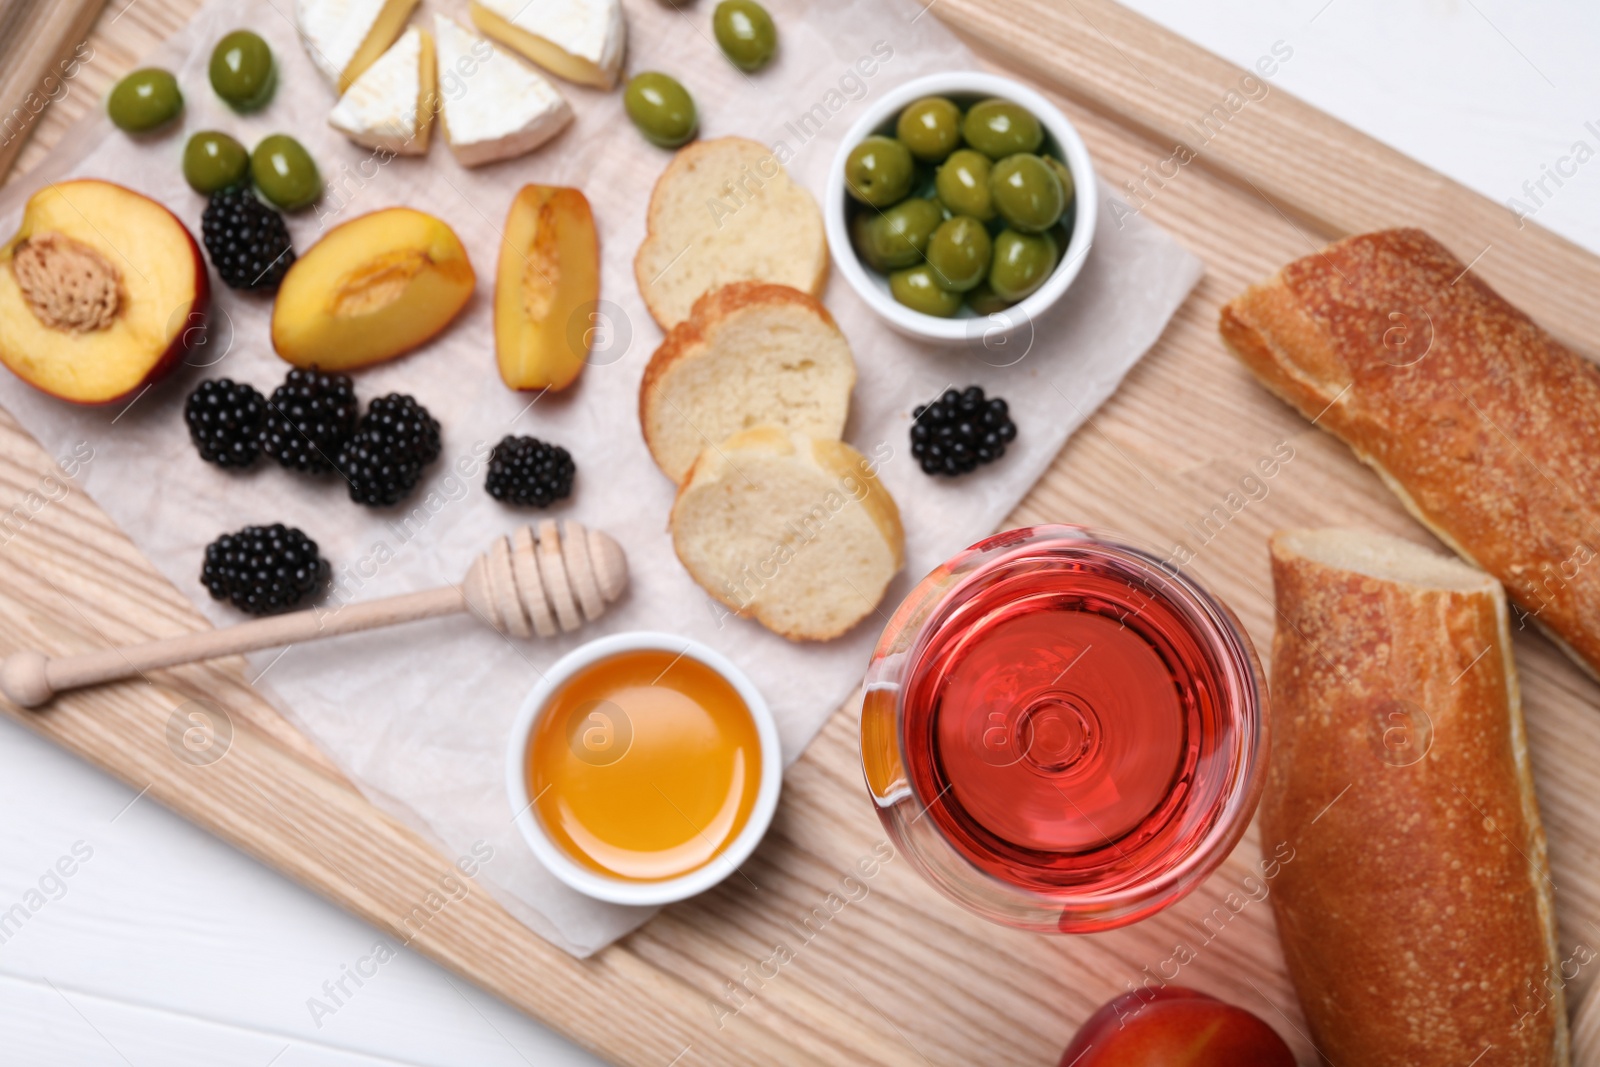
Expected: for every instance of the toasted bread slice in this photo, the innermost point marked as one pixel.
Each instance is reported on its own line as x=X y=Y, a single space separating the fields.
x=725 y=211
x=750 y=354
x=793 y=530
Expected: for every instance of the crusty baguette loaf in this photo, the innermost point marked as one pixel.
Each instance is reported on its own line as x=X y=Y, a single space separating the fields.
x=750 y=354
x=725 y=211
x=795 y=531
x=1486 y=427
x=1415 y=914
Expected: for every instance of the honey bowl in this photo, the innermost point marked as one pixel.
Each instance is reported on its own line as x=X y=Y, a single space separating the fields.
x=643 y=768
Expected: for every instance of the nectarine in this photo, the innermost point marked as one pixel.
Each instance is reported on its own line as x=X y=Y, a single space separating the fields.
x=101 y=291
x=371 y=289
x=549 y=270
x=1171 y=1026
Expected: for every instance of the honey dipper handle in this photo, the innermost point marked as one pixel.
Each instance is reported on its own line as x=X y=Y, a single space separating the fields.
x=28 y=679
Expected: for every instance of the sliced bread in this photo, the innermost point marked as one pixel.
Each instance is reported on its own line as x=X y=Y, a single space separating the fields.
x=725 y=211
x=793 y=530
x=750 y=354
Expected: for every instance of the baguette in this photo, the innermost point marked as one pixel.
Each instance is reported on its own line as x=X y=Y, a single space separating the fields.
x=1485 y=426
x=1416 y=914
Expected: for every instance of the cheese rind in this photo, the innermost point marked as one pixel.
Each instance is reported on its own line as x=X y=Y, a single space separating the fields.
x=493 y=106
x=391 y=105
x=580 y=40
x=345 y=37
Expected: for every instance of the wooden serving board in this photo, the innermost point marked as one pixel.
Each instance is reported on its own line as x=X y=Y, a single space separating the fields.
x=880 y=969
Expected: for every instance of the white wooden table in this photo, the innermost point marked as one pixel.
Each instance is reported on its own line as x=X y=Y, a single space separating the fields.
x=167 y=947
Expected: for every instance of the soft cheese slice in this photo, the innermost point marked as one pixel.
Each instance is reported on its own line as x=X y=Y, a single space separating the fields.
x=579 y=40
x=391 y=105
x=493 y=105
x=345 y=37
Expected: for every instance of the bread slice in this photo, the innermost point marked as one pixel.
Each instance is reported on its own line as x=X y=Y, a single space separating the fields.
x=725 y=211
x=750 y=354
x=793 y=530
x=1399 y=823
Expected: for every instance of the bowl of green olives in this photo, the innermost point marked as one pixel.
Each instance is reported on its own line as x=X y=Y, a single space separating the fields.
x=961 y=206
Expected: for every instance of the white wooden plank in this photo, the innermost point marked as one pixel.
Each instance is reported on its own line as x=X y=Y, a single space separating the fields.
x=52 y=1026
x=165 y=919
x=1493 y=93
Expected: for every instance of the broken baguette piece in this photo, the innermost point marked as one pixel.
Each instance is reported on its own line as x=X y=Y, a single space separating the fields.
x=1416 y=910
x=1485 y=426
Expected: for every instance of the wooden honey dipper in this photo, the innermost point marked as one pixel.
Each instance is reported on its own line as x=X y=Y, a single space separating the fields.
x=526 y=584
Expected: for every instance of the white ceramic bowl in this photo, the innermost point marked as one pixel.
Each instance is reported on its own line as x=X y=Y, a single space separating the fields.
x=620 y=890
x=1061 y=140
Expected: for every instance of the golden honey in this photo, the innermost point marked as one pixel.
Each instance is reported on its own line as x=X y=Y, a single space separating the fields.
x=645 y=765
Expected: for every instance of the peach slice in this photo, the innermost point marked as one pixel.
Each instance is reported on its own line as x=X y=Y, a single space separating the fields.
x=371 y=289
x=545 y=288
x=101 y=291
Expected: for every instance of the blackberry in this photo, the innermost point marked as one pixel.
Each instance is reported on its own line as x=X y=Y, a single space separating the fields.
x=960 y=430
x=383 y=460
x=224 y=420
x=528 y=472
x=247 y=240
x=309 y=416
x=264 y=569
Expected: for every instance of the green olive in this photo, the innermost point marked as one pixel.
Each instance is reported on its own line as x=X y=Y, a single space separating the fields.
x=241 y=70
x=985 y=301
x=998 y=128
x=963 y=184
x=1064 y=176
x=1026 y=192
x=930 y=128
x=1022 y=261
x=879 y=171
x=661 y=108
x=745 y=34
x=959 y=253
x=144 y=100
x=285 y=172
x=898 y=235
x=916 y=288
x=213 y=161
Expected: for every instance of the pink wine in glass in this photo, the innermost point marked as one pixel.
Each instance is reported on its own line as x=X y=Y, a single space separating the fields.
x=1062 y=731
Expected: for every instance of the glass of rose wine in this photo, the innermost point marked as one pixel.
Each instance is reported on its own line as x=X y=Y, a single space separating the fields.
x=1063 y=731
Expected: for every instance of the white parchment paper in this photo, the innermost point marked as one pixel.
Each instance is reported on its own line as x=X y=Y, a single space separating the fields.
x=419 y=716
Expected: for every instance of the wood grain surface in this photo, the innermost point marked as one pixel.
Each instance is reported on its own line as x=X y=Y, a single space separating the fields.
x=882 y=970
x=42 y=45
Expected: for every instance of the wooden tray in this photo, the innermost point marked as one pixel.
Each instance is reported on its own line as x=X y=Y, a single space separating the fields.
x=882 y=970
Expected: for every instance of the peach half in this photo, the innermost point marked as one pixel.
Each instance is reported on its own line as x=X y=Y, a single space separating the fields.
x=373 y=288
x=101 y=291
x=546 y=288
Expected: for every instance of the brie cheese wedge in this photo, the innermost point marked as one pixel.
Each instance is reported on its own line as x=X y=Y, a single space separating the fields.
x=579 y=40
x=391 y=105
x=493 y=105
x=345 y=37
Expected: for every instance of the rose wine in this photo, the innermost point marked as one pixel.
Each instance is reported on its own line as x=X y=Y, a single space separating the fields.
x=1070 y=721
